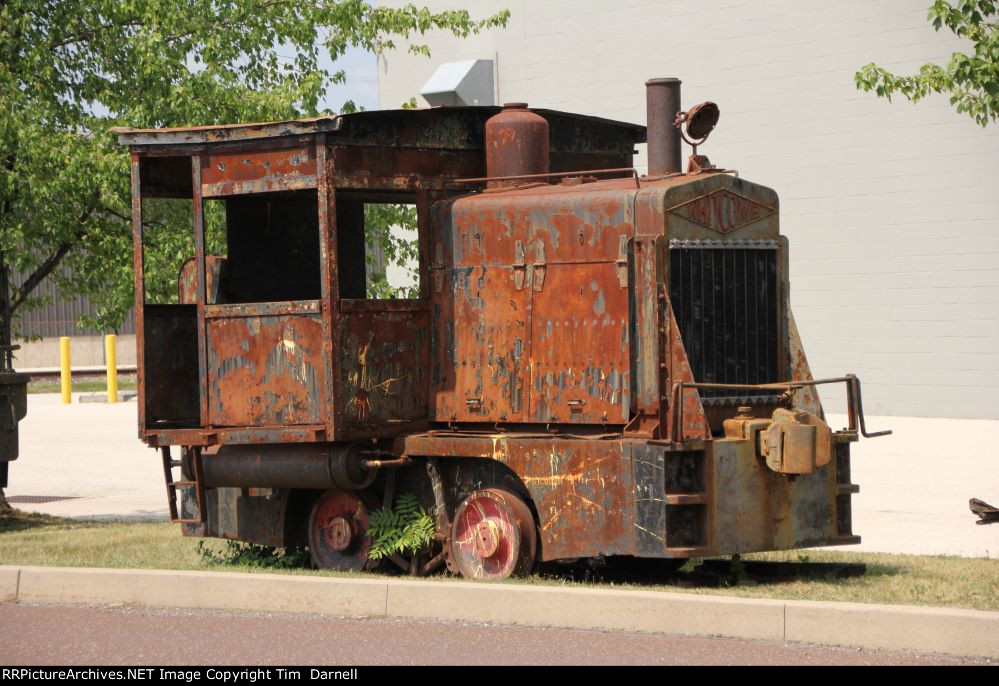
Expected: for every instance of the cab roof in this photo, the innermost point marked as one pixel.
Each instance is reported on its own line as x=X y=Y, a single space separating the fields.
x=455 y=127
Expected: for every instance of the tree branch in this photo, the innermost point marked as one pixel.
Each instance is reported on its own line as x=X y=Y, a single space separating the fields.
x=44 y=269
x=48 y=266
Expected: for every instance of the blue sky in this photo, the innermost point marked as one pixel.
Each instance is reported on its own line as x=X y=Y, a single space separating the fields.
x=361 y=68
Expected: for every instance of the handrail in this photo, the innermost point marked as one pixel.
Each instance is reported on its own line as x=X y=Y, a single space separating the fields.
x=547 y=175
x=854 y=400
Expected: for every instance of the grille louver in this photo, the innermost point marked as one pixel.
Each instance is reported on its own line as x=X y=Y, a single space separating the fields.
x=726 y=301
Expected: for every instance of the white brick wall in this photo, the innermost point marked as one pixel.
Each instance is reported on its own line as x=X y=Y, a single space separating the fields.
x=892 y=210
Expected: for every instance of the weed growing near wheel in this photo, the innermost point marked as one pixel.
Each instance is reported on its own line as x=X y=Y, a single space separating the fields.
x=239 y=554
x=405 y=529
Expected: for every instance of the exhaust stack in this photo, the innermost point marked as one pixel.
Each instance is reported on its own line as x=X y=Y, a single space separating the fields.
x=663 y=103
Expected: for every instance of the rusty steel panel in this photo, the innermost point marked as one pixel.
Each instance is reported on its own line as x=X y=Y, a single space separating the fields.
x=580 y=347
x=587 y=226
x=716 y=206
x=517 y=263
x=187 y=282
x=484 y=310
x=647 y=288
x=584 y=498
x=392 y=168
x=258 y=171
x=254 y=515
x=490 y=347
x=265 y=370
x=384 y=364
x=694 y=422
x=170 y=372
x=583 y=491
x=463 y=128
x=224 y=133
x=242 y=435
x=804 y=399
x=754 y=508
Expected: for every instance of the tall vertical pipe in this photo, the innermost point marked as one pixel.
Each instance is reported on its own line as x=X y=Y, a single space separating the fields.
x=662 y=98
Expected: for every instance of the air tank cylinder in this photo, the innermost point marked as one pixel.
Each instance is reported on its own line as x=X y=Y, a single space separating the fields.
x=516 y=144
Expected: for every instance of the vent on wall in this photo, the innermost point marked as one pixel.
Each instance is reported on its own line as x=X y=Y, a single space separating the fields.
x=461 y=83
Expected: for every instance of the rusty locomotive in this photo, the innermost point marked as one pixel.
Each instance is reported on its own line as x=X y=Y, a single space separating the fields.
x=597 y=364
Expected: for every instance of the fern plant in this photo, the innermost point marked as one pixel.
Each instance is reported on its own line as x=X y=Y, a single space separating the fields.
x=406 y=528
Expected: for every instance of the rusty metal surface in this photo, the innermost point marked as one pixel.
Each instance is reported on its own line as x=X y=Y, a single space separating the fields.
x=244 y=515
x=224 y=132
x=168 y=373
x=258 y=171
x=543 y=360
x=797 y=442
x=522 y=274
x=383 y=361
x=683 y=414
x=187 y=282
x=663 y=105
x=388 y=168
x=311 y=466
x=157 y=436
x=338 y=528
x=807 y=399
x=516 y=143
x=588 y=381
x=581 y=490
x=786 y=513
x=493 y=536
x=266 y=370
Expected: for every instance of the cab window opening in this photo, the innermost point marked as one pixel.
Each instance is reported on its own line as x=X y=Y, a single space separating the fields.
x=377 y=246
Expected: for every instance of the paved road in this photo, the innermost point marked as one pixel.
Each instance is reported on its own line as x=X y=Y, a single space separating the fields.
x=915 y=485
x=56 y=635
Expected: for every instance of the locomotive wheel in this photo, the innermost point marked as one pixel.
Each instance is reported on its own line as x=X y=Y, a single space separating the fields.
x=493 y=536
x=338 y=528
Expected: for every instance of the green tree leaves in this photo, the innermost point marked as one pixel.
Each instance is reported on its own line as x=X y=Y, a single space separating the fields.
x=72 y=69
x=971 y=80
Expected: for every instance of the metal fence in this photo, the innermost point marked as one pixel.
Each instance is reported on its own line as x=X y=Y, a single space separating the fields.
x=60 y=314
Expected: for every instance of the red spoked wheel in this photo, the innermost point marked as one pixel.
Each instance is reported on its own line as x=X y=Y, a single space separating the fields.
x=493 y=536
x=338 y=528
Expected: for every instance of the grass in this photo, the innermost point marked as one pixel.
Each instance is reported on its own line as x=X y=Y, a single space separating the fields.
x=84 y=385
x=29 y=539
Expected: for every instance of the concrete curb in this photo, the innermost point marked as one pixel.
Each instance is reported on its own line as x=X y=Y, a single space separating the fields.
x=970 y=633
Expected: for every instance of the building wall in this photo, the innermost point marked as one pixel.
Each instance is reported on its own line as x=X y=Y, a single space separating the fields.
x=891 y=209
x=37 y=330
x=59 y=315
x=84 y=352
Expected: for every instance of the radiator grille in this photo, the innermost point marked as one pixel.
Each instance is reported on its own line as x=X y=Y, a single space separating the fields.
x=725 y=298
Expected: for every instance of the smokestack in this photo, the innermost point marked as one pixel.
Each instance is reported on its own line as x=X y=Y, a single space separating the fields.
x=663 y=103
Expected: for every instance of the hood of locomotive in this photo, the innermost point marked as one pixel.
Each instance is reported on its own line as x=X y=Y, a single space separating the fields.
x=724 y=268
x=566 y=289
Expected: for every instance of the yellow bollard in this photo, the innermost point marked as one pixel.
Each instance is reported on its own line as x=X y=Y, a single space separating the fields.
x=112 y=364
x=65 y=376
